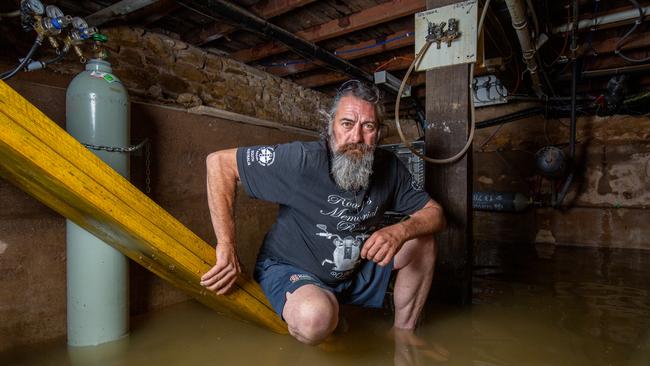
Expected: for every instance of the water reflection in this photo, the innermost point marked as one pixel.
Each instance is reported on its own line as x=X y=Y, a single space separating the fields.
x=565 y=306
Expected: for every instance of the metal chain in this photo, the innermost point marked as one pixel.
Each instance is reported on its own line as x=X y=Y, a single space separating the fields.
x=130 y=149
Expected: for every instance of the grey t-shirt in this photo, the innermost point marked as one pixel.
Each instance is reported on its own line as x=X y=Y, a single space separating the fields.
x=320 y=227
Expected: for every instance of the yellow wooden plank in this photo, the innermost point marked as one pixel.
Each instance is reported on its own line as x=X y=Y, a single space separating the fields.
x=51 y=134
x=32 y=119
x=45 y=161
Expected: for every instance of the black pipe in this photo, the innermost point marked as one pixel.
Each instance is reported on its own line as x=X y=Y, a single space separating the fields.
x=256 y=24
x=8 y=74
x=419 y=112
x=510 y=117
x=308 y=50
x=557 y=199
x=572 y=139
x=572 y=127
x=574 y=80
x=39 y=65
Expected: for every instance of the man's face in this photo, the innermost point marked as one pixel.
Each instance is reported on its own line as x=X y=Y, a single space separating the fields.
x=354 y=123
x=353 y=135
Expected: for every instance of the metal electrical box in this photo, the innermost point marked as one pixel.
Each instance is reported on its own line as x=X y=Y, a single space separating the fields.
x=454 y=28
x=413 y=162
x=415 y=166
x=488 y=90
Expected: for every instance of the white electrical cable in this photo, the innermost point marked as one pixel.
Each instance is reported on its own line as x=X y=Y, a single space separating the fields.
x=470 y=138
x=12 y=14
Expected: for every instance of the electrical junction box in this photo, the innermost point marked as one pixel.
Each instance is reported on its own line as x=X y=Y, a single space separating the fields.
x=452 y=47
x=383 y=77
x=415 y=166
x=413 y=162
x=488 y=90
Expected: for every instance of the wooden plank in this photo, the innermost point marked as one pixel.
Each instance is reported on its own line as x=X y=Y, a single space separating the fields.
x=220 y=113
x=362 y=19
x=447 y=110
x=273 y=8
x=264 y=9
x=117 y=10
x=608 y=45
x=43 y=160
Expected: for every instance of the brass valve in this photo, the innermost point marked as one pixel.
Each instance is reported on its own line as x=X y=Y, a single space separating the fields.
x=437 y=34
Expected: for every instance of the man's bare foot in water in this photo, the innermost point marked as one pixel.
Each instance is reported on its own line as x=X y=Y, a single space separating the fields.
x=413 y=350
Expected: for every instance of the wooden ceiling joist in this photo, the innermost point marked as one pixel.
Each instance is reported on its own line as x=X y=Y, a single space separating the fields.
x=609 y=45
x=332 y=77
x=117 y=10
x=335 y=28
x=265 y=9
x=398 y=64
x=351 y=52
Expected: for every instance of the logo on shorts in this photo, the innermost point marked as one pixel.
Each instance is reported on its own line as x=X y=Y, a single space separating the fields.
x=265 y=156
x=300 y=277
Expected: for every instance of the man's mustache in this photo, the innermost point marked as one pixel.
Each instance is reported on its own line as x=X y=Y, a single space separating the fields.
x=356 y=147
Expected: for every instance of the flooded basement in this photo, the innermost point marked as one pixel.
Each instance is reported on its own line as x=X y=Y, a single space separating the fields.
x=533 y=305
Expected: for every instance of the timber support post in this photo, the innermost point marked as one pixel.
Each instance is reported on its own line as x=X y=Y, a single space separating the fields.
x=448 y=123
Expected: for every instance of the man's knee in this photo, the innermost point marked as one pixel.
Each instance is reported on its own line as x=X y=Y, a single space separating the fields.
x=311 y=314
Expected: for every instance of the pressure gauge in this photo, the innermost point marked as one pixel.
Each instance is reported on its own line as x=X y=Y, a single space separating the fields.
x=53 y=11
x=32 y=6
x=79 y=23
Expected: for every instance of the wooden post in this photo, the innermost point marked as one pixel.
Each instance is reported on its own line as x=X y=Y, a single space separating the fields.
x=447 y=113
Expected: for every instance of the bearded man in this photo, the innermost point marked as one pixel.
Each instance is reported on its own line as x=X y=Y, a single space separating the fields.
x=327 y=246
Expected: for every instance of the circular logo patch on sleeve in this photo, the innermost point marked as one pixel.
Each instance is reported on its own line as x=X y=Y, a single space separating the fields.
x=265 y=156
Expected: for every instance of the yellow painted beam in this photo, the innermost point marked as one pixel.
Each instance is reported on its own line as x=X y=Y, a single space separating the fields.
x=45 y=161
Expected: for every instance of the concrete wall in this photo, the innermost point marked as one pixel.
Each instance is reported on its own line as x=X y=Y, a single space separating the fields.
x=609 y=198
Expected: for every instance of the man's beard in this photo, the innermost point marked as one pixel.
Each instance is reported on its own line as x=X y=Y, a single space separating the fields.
x=352 y=165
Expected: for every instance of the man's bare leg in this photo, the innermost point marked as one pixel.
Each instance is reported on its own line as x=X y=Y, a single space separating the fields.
x=415 y=264
x=311 y=314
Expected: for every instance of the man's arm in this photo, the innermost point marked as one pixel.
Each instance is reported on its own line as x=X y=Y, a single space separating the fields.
x=384 y=243
x=222 y=177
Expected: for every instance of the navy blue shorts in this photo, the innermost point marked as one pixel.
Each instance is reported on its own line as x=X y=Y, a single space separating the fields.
x=367 y=287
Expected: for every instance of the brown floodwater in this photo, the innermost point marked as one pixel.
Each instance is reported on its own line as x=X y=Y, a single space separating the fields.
x=533 y=305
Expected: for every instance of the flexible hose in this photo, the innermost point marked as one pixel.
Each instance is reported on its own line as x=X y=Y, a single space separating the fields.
x=12 y=14
x=416 y=62
x=39 y=65
x=56 y=59
x=9 y=74
x=617 y=49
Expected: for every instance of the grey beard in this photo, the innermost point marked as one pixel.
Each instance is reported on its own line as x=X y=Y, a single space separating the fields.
x=351 y=173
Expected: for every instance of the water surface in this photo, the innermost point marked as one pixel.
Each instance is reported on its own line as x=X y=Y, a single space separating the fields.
x=533 y=305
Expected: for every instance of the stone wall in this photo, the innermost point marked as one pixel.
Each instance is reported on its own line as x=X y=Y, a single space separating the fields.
x=161 y=69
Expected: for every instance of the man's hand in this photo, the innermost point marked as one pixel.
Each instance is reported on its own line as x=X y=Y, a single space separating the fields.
x=222 y=276
x=383 y=244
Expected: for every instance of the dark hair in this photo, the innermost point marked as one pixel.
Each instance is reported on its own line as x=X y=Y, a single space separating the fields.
x=359 y=89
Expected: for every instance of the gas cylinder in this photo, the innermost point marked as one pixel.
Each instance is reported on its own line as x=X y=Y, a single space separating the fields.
x=97 y=114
